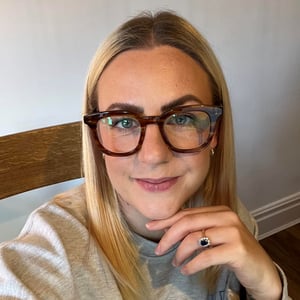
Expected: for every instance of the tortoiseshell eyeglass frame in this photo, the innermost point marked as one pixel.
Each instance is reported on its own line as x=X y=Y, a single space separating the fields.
x=214 y=113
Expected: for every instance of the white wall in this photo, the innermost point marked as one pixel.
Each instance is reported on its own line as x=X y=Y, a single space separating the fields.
x=46 y=46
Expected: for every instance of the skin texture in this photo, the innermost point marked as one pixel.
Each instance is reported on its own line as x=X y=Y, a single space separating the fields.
x=154 y=184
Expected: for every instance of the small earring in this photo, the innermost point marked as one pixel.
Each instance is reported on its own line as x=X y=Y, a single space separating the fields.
x=212 y=152
x=103 y=156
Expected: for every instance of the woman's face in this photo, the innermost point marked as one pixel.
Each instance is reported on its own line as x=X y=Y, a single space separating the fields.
x=155 y=182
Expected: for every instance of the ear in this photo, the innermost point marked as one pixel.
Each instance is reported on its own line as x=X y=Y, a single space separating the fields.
x=214 y=142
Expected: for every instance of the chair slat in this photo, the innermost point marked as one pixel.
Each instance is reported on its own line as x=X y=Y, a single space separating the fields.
x=40 y=157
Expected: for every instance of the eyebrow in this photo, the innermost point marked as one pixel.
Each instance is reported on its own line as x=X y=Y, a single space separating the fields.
x=126 y=106
x=180 y=101
x=139 y=109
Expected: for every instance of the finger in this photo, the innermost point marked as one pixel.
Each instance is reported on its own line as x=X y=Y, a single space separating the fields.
x=188 y=248
x=191 y=243
x=195 y=222
x=210 y=257
x=231 y=246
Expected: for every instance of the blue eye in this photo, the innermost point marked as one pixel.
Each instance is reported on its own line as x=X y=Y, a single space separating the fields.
x=121 y=122
x=182 y=120
x=125 y=123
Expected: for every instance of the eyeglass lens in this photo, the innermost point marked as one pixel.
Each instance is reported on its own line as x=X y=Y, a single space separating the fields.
x=183 y=130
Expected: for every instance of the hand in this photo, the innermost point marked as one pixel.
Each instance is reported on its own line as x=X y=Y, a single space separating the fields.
x=231 y=245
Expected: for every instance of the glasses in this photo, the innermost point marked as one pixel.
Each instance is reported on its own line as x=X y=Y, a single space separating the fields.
x=185 y=129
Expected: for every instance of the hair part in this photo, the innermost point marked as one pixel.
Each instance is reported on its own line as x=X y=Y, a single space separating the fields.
x=146 y=31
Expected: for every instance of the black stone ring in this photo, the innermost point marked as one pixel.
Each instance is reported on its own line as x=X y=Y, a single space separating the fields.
x=204 y=242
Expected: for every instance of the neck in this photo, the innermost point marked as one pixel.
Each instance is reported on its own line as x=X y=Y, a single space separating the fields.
x=137 y=222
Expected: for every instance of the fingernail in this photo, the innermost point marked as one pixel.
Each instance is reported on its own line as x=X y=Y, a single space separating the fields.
x=183 y=271
x=150 y=226
x=174 y=263
x=158 y=250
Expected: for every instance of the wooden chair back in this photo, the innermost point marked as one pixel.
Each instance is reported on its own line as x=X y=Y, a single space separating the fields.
x=40 y=157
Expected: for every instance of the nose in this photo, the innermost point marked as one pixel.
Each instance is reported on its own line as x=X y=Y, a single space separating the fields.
x=154 y=150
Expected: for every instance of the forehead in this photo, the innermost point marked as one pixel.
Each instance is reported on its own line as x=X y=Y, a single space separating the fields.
x=151 y=78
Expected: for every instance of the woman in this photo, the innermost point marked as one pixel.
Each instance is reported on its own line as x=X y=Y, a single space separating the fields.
x=158 y=216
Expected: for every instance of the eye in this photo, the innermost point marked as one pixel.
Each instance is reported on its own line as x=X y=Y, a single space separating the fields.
x=125 y=123
x=181 y=119
x=122 y=122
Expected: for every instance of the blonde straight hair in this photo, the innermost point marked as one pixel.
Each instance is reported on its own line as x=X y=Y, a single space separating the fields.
x=107 y=226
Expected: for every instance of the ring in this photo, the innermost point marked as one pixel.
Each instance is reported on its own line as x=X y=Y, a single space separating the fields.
x=204 y=242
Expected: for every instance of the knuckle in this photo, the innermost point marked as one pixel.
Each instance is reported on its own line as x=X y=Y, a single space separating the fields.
x=192 y=237
x=188 y=220
x=232 y=217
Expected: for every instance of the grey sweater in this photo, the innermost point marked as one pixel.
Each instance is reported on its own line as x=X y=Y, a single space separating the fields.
x=54 y=257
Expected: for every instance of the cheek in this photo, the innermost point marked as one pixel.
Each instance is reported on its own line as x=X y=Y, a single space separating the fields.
x=116 y=170
x=199 y=166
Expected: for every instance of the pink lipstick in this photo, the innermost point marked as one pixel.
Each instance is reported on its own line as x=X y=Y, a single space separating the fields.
x=156 y=185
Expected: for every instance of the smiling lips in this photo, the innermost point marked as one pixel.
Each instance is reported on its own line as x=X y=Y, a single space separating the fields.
x=156 y=185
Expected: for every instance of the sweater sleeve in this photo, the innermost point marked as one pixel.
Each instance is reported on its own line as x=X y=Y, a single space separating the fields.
x=55 y=257
x=252 y=226
x=35 y=265
x=42 y=262
x=285 y=295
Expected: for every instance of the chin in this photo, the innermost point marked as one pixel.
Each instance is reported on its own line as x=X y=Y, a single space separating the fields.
x=160 y=214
